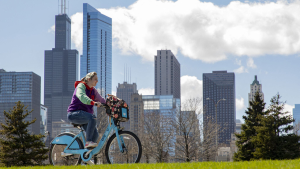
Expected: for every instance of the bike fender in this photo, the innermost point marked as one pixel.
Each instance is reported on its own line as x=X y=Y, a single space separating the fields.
x=65 y=139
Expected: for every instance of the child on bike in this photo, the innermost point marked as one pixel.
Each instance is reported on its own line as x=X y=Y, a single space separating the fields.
x=80 y=111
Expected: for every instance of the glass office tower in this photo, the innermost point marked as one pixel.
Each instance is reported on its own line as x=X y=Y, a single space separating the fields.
x=296 y=116
x=24 y=87
x=220 y=85
x=97 y=48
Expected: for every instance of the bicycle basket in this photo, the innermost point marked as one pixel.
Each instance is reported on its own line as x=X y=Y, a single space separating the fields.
x=118 y=109
x=123 y=114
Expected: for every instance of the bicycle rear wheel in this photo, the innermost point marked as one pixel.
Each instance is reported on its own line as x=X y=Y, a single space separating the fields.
x=132 y=153
x=56 y=157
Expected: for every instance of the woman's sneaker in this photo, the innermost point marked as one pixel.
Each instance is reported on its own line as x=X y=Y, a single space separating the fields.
x=90 y=144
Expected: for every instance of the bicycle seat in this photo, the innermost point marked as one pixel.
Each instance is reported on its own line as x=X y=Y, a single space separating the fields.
x=77 y=125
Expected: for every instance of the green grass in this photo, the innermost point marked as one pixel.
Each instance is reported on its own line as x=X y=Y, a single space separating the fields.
x=284 y=164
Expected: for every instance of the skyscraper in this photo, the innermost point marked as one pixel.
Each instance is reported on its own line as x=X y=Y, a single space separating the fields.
x=167 y=74
x=61 y=72
x=296 y=116
x=97 y=48
x=124 y=91
x=24 y=87
x=216 y=86
x=255 y=87
x=136 y=113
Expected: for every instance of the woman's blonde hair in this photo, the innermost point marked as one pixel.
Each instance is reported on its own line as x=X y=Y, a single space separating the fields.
x=88 y=76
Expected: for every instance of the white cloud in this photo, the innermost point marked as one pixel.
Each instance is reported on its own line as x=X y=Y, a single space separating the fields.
x=241 y=69
x=240 y=105
x=202 y=30
x=250 y=63
x=146 y=91
x=77 y=30
x=289 y=108
x=52 y=29
x=114 y=93
x=238 y=62
x=191 y=87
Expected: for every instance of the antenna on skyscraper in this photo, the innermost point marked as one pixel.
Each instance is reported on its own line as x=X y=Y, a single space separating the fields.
x=130 y=76
x=124 y=72
x=65 y=7
x=61 y=6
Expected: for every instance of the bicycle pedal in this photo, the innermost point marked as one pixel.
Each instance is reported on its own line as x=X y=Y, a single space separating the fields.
x=63 y=154
x=90 y=148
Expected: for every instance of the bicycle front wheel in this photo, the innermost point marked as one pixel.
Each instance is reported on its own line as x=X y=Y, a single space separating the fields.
x=132 y=149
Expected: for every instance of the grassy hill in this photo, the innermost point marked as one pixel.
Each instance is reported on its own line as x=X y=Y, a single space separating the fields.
x=284 y=164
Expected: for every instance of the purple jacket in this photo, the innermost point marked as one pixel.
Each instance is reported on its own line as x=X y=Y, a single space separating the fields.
x=84 y=98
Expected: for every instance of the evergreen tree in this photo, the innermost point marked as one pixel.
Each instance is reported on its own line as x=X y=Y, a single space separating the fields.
x=18 y=147
x=252 y=120
x=272 y=140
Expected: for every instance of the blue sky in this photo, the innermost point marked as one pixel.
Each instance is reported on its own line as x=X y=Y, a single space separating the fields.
x=246 y=37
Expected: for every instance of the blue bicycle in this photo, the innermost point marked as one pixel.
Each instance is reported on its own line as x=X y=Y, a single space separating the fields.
x=122 y=146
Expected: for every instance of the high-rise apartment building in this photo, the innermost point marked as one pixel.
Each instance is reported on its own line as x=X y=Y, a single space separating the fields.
x=136 y=113
x=167 y=74
x=296 y=116
x=255 y=87
x=61 y=72
x=24 y=87
x=97 y=48
x=217 y=86
x=124 y=91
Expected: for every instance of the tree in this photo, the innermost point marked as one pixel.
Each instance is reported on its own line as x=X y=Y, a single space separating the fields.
x=244 y=140
x=102 y=123
x=19 y=148
x=160 y=133
x=272 y=140
x=209 y=147
x=187 y=131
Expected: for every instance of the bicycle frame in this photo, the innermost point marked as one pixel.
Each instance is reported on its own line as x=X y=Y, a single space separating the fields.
x=66 y=140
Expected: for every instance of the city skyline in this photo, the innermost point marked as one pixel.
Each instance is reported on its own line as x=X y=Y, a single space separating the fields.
x=269 y=66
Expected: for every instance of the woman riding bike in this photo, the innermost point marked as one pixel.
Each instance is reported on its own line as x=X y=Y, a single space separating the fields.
x=81 y=111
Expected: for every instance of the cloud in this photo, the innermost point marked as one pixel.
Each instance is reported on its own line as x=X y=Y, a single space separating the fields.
x=250 y=63
x=238 y=62
x=52 y=29
x=202 y=30
x=241 y=69
x=191 y=87
x=289 y=108
x=146 y=91
x=114 y=93
x=77 y=30
x=239 y=103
